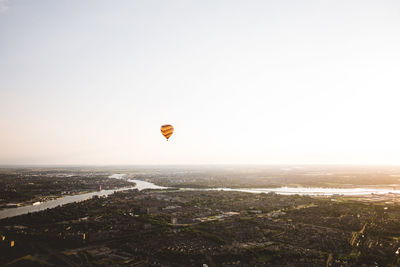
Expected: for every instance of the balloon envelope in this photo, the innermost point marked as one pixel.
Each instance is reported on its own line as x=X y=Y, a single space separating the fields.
x=167 y=130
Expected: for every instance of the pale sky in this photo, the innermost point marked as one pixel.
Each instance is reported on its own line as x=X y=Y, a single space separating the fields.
x=262 y=82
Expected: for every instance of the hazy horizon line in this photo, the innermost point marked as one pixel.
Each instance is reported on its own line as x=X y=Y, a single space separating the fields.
x=201 y=164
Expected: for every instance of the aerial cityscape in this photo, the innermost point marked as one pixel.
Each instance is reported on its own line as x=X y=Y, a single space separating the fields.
x=183 y=216
x=200 y=133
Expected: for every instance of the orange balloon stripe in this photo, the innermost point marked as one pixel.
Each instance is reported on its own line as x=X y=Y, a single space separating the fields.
x=167 y=128
x=168 y=131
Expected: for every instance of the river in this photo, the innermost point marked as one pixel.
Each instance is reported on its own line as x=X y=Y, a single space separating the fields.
x=312 y=191
x=141 y=185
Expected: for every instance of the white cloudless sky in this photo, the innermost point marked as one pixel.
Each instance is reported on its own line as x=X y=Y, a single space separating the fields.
x=263 y=82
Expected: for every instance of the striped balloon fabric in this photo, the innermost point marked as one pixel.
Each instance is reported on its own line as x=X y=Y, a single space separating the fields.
x=167 y=130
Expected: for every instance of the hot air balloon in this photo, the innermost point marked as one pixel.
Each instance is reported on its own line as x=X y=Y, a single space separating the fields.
x=167 y=130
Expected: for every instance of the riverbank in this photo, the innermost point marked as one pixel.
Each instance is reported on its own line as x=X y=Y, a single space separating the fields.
x=27 y=188
x=368 y=194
